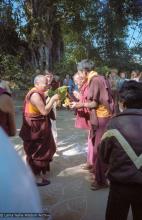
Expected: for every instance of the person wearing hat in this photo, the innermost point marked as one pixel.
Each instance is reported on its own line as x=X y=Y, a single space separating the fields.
x=100 y=105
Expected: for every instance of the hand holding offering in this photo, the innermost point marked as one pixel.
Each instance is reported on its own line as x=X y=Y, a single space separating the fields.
x=66 y=102
x=76 y=94
x=73 y=105
x=56 y=97
x=76 y=105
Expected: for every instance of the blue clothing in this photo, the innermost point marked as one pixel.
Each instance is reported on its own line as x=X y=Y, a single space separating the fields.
x=69 y=83
x=75 y=88
x=120 y=83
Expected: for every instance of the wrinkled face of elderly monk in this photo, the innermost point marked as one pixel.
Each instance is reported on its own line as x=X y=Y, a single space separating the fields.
x=42 y=83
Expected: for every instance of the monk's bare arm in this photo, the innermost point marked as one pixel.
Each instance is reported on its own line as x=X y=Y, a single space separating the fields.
x=7 y=106
x=90 y=105
x=38 y=102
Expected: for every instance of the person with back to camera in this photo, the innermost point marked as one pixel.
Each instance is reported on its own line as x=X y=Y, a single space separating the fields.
x=7 y=113
x=5 y=85
x=121 y=149
x=135 y=75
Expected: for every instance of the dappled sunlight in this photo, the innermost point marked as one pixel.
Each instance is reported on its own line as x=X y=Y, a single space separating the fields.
x=69 y=138
x=65 y=148
x=71 y=149
x=67 y=195
x=71 y=171
x=18 y=147
x=56 y=155
x=76 y=150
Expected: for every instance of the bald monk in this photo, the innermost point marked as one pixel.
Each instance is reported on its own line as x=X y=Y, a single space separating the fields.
x=36 y=130
x=7 y=113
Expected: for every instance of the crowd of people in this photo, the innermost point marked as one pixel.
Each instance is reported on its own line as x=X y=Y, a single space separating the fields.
x=110 y=108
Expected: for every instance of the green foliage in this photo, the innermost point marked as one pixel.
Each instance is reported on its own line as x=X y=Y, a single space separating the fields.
x=71 y=30
x=104 y=70
x=11 y=70
x=51 y=92
x=65 y=67
x=61 y=91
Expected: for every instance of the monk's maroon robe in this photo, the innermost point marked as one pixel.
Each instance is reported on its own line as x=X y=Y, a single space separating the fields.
x=38 y=140
x=100 y=92
x=82 y=118
x=4 y=117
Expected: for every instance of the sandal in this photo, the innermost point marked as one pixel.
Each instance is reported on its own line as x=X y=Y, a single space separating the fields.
x=44 y=182
x=92 y=178
x=96 y=186
x=92 y=170
x=87 y=167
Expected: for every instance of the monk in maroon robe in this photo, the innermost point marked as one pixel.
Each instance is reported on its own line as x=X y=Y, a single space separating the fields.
x=101 y=107
x=36 y=130
x=83 y=115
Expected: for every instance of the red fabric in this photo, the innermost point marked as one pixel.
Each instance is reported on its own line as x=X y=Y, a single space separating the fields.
x=38 y=141
x=27 y=103
x=99 y=91
x=100 y=167
x=55 y=84
x=4 y=122
x=82 y=117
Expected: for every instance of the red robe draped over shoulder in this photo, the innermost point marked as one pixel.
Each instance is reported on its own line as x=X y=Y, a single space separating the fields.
x=37 y=136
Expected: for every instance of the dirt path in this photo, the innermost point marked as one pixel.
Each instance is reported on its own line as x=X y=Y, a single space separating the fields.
x=69 y=197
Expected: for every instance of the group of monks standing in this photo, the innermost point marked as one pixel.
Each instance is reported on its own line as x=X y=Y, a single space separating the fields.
x=94 y=104
x=96 y=107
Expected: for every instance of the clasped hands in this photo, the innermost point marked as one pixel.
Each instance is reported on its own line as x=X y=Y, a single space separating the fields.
x=54 y=98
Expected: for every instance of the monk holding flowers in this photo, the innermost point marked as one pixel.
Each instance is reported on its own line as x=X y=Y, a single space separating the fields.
x=36 y=130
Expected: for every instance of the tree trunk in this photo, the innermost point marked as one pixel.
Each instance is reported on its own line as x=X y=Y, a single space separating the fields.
x=47 y=41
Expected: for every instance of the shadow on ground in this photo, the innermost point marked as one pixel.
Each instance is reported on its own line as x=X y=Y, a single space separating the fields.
x=68 y=197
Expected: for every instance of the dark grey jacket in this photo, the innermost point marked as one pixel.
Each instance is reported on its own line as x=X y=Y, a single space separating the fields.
x=122 y=168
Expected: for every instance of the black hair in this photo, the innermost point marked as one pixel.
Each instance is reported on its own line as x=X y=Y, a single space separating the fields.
x=131 y=94
x=136 y=71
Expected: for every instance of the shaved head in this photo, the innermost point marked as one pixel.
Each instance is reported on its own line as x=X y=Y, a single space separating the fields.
x=39 y=79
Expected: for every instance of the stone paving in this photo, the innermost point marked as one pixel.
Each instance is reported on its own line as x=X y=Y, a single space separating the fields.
x=69 y=197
